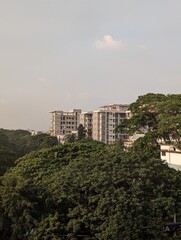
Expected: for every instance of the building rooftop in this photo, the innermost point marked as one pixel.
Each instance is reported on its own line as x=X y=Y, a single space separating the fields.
x=115 y=105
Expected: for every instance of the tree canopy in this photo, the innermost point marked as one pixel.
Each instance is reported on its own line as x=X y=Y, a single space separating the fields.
x=16 y=143
x=88 y=190
x=158 y=116
x=81 y=132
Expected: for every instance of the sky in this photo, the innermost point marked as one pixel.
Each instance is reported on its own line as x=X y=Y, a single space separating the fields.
x=64 y=54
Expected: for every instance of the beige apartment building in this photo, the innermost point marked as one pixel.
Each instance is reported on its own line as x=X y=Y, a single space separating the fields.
x=64 y=123
x=99 y=125
x=86 y=121
x=106 y=120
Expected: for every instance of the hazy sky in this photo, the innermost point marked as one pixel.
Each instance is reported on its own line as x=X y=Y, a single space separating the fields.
x=63 y=54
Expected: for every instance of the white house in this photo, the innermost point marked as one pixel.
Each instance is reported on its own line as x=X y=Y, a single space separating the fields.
x=172 y=155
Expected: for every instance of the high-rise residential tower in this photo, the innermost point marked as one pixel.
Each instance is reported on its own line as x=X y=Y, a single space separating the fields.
x=106 y=120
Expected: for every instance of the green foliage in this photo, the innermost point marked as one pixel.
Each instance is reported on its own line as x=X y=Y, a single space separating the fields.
x=158 y=116
x=81 y=132
x=145 y=111
x=147 y=146
x=7 y=158
x=3 y=139
x=48 y=228
x=15 y=140
x=40 y=141
x=16 y=143
x=88 y=189
x=70 y=138
x=170 y=118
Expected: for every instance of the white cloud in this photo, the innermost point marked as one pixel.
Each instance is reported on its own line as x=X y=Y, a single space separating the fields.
x=109 y=42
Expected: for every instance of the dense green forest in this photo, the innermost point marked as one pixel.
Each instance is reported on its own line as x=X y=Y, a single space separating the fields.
x=16 y=143
x=88 y=189
x=85 y=189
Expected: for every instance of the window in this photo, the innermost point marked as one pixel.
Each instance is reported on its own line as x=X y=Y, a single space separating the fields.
x=163 y=153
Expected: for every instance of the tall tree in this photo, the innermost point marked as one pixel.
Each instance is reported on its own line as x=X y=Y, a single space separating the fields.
x=158 y=115
x=81 y=132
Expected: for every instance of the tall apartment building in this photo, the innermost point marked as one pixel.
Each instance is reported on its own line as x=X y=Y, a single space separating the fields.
x=99 y=125
x=106 y=120
x=86 y=121
x=64 y=123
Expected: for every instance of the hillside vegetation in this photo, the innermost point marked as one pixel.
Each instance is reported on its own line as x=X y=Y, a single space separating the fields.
x=16 y=143
x=87 y=190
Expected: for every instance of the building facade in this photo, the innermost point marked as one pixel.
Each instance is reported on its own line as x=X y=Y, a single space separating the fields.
x=64 y=123
x=106 y=120
x=172 y=155
x=86 y=121
x=99 y=125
